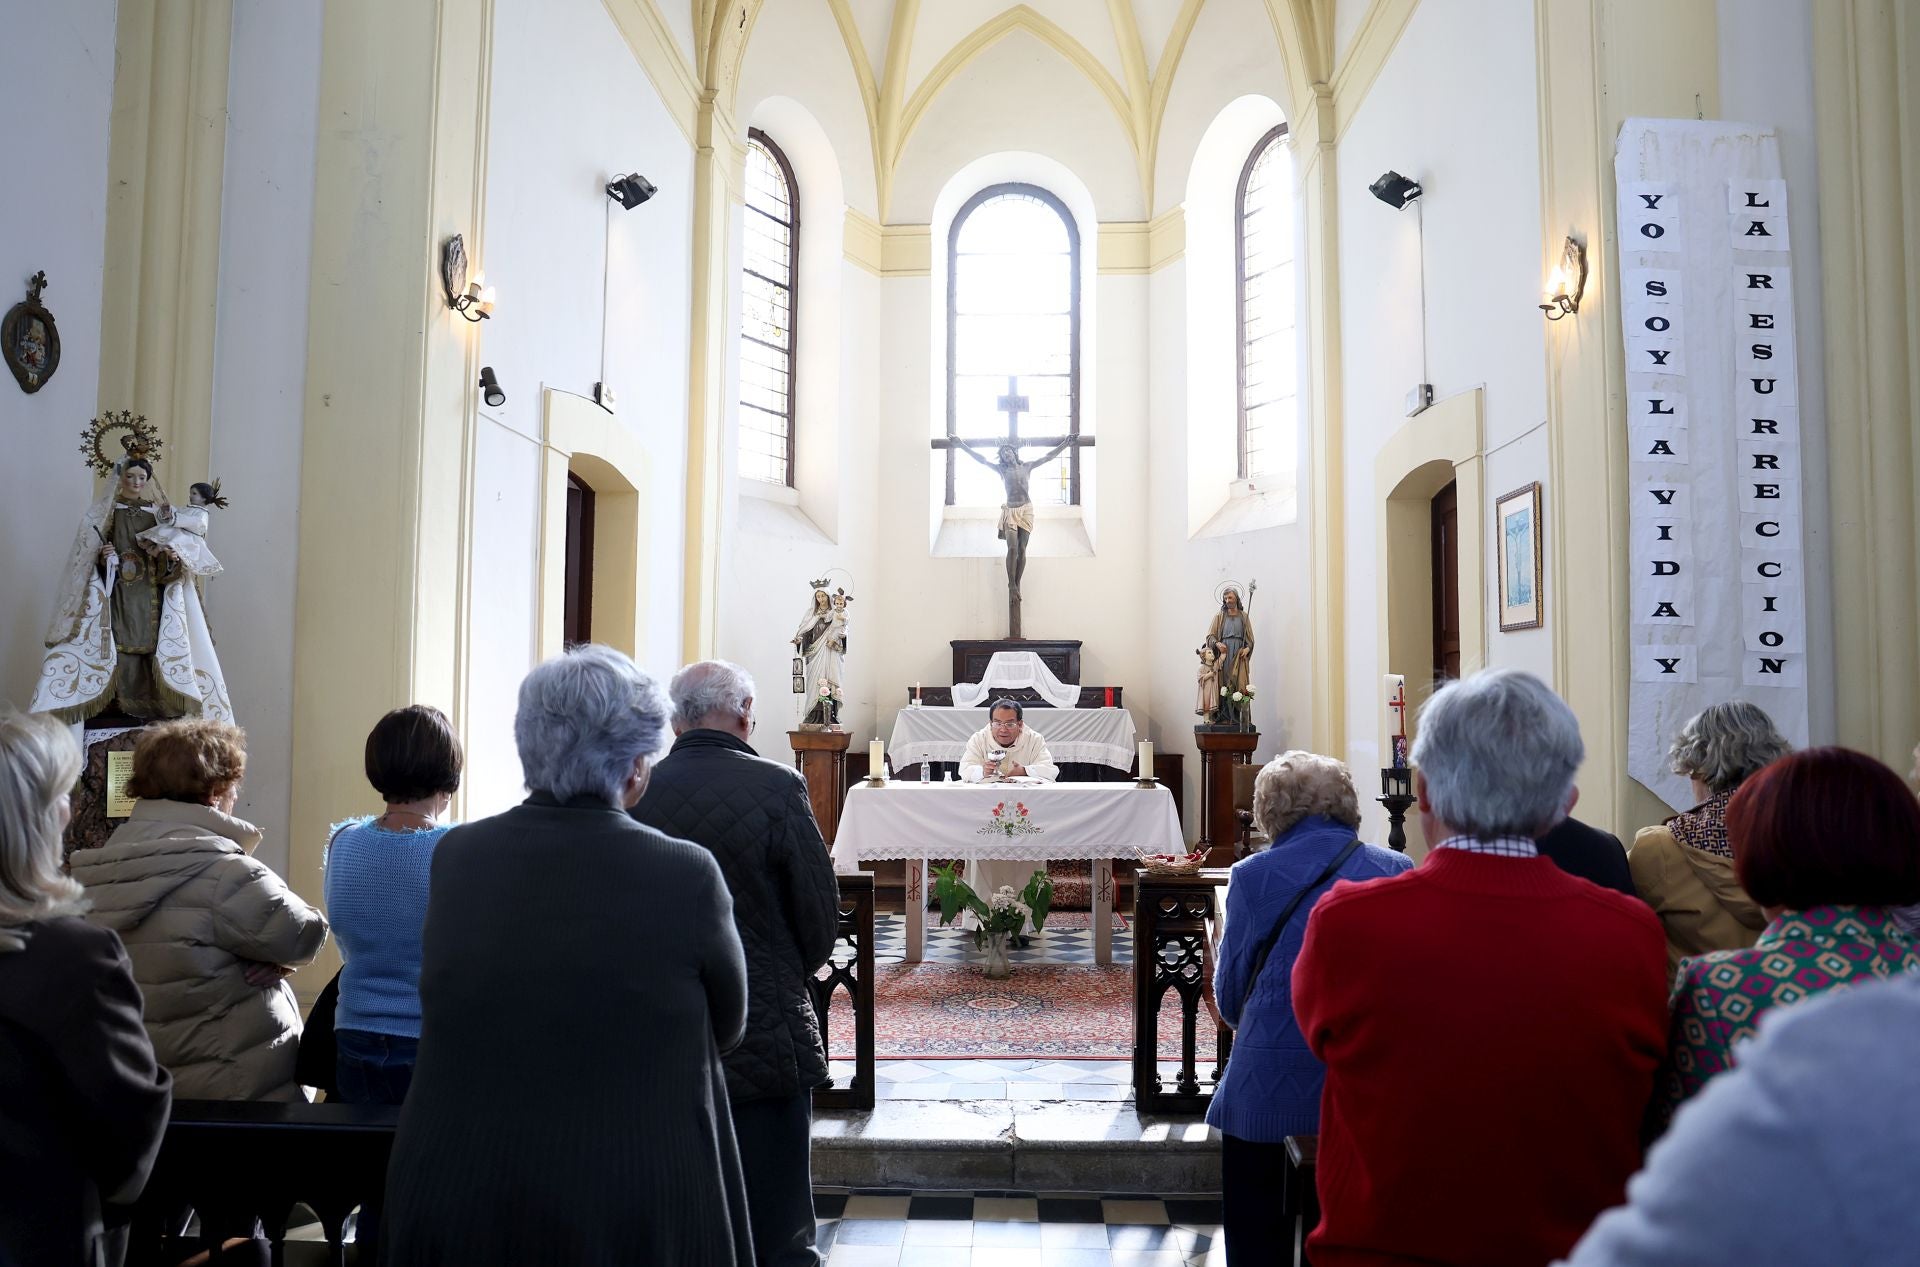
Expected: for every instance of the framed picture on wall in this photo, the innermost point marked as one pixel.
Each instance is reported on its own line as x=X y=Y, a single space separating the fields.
x=1516 y=520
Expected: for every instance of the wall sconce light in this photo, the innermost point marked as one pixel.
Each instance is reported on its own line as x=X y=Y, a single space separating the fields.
x=1567 y=282
x=1395 y=190
x=490 y=389
x=471 y=299
x=631 y=190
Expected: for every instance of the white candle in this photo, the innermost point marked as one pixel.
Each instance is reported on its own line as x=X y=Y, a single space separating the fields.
x=1146 y=759
x=877 y=760
x=1394 y=720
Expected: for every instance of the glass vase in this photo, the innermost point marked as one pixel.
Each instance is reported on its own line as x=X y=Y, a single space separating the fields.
x=999 y=967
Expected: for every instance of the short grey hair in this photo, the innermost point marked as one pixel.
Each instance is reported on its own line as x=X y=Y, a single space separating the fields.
x=39 y=763
x=708 y=687
x=1724 y=743
x=1498 y=752
x=1296 y=784
x=584 y=718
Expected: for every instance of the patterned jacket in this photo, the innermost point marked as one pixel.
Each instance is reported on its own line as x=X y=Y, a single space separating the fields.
x=1719 y=998
x=752 y=815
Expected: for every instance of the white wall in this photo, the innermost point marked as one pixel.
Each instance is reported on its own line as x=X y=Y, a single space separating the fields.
x=570 y=109
x=1479 y=161
x=57 y=64
x=259 y=379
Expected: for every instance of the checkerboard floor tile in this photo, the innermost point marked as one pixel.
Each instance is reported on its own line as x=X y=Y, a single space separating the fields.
x=895 y=1228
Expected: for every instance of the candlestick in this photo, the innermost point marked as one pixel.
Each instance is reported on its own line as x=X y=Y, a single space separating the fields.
x=876 y=761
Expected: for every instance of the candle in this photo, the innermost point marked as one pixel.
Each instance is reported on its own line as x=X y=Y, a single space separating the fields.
x=876 y=760
x=1394 y=730
x=1146 y=759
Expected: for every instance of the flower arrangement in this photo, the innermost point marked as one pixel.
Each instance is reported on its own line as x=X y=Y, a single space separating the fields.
x=1240 y=703
x=1003 y=914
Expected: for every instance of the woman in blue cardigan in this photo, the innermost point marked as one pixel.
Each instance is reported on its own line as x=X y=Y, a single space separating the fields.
x=1307 y=806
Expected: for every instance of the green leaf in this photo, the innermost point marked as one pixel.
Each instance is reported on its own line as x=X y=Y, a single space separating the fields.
x=1039 y=895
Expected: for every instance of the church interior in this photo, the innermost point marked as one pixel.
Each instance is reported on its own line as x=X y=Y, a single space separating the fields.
x=912 y=354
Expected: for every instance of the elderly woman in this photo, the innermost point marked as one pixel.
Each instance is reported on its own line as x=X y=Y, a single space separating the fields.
x=1684 y=869
x=581 y=976
x=1307 y=805
x=83 y=1103
x=1827 y=841
x=377 y=870
x=212 y=932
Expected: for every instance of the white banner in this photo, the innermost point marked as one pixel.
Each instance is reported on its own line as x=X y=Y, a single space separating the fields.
x=1713 y=433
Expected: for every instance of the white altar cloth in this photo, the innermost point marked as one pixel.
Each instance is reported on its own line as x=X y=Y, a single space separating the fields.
x=1095 y=736
x=1012 y=670
x=916 y=821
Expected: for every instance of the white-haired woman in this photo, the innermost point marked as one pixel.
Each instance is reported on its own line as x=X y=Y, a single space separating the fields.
x=1683 y=869
x=580 y=977
x=1307 y=805
x=83 y=1102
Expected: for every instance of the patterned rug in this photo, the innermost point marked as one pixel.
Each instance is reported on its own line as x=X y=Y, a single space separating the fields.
x=933 y=1011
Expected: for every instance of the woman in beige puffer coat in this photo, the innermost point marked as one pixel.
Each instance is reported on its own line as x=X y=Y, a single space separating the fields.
x=211 y=931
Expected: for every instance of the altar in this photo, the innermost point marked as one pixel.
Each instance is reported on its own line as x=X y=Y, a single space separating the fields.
x=1020 y=822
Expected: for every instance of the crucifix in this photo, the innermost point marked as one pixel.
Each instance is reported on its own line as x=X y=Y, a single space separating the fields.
x=1016 y=515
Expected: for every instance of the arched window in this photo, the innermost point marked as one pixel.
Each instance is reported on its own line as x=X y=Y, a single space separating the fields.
x=1263 y=260
x=768 y=281
x=1013 y=344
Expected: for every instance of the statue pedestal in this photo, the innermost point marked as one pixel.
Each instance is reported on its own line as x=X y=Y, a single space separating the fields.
x=821 y=757
x=1220 y=752
x=90 y=825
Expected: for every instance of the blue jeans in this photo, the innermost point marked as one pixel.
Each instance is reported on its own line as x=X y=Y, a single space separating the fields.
x=373 y=1068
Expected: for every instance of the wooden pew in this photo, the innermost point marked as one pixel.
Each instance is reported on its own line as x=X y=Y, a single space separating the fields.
x=1299 y=1198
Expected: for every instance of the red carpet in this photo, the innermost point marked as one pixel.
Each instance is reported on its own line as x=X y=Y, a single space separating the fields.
x=933 y=1011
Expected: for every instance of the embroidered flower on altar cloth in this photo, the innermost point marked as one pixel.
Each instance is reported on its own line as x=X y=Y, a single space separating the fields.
x=1009 y=824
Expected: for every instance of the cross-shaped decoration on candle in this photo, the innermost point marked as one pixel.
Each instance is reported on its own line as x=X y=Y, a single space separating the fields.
x=1398 y=704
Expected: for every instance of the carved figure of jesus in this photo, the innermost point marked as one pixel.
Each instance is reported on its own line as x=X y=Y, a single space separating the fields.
x=1016 y=516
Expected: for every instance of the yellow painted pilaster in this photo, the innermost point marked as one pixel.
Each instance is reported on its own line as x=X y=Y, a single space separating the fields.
x=1314 y=155
x=1600 y=62
x=388 y=430
x=715 y=193
x=165 y=162
x=1866 y=61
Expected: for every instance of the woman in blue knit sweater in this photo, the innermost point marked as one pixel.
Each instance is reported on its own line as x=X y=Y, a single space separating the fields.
x=376 y=888
x=1307 y=806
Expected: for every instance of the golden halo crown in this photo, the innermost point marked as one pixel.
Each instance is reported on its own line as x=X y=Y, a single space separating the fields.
x=142 y=439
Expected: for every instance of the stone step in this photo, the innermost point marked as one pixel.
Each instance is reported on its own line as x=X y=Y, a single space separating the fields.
x=1018 y=1146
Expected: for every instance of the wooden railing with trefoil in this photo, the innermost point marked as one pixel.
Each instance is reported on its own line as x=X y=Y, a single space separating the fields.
x=850 y=969
x=1173 y=951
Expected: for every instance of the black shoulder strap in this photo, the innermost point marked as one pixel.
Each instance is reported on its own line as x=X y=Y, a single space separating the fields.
x=1280 y=925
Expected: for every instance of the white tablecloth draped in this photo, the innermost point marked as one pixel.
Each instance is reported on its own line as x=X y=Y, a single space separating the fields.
x=1096 y=736
x=1014 y=669
x=958 y=820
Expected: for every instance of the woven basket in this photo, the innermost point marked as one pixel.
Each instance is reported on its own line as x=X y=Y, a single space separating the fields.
x=1171 y=868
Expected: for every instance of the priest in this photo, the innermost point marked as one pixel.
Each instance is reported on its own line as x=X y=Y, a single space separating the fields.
x=1005 y=748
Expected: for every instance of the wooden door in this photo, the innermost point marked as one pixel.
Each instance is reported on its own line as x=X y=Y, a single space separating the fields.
x=1446 y=584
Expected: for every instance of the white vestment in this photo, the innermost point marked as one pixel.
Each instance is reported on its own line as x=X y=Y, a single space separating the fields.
x=183 y=530
x=1029 y=750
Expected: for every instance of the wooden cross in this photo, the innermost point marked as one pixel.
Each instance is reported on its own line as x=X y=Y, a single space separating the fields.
x=1013 y=405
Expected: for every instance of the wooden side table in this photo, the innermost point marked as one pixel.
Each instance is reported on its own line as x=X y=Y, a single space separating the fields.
x=1220 y=752
x=821 y=758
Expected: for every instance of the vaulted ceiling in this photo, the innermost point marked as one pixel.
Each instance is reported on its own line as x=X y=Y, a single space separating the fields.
x=904 y=52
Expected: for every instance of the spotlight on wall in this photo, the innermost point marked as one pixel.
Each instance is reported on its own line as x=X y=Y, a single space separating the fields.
x=490 y=389
x=471 y=298
x=1395 y=190
x=1567 y=282
x=630 y=190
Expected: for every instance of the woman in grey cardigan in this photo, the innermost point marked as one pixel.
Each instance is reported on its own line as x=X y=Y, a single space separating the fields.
x=581 y=976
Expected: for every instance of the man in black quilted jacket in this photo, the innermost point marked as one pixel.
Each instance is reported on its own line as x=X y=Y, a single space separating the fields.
x=752 y=813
